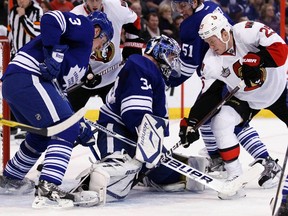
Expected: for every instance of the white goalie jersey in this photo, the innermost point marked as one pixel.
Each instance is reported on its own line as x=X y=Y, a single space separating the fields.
x=225 y=67
x=111 y=57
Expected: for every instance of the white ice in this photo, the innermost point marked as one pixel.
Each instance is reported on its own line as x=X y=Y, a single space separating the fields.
x=141 y=202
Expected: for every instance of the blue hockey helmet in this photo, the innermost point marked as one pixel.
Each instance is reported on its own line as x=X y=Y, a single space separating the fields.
x=100 y=19
x=166 y=52
x=179 y=5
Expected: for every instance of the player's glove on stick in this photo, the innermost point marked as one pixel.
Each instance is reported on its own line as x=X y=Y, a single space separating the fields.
x=187 y=134
x=253 y=72
x=86 y=136
x=90 y=79
x=51 y=66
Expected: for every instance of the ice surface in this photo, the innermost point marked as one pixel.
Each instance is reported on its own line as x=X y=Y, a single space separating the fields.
x=142 y=202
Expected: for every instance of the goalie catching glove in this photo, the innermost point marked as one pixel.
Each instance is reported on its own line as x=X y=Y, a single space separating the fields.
x=86 y=135
x=187 y=134
x=90 y=79
x=253 y=72
x=51 y=66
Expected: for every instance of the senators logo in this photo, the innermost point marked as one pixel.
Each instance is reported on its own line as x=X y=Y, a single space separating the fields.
x=104 y=55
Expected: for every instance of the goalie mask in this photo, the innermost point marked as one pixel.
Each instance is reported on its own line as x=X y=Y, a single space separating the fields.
x=166 y=52
x=100 y=19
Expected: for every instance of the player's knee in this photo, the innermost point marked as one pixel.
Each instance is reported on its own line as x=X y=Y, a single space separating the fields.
x=225 y=121
x=35 y=143
x=71 y=133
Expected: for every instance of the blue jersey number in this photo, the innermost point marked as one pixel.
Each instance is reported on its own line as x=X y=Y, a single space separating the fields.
x=187 y=50
x=76 y=21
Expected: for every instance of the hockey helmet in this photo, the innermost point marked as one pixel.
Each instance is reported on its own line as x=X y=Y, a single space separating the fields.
x=213 y=24
x=179 y=5
x=166 y=52
x=100 y=19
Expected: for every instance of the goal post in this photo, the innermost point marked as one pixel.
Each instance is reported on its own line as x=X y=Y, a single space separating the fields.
x=5 y=112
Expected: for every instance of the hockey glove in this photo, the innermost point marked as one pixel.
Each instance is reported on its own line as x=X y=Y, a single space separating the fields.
x=86 y=136
x=253 y=72
x=90 y=79
x=51 y=66
x=132 y=46
x=187 y=134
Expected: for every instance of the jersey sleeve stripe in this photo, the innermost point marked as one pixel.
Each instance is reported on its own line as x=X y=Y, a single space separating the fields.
x=108 y=112
x=60 y=19
x=136 y=102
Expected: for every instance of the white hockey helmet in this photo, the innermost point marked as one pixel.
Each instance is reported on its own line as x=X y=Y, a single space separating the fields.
x=213 y=24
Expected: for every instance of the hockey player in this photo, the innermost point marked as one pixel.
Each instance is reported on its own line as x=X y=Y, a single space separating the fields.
x=191 y=56
x=32 y=86
x=261 y=61
x=139 y=89
x=109 y=58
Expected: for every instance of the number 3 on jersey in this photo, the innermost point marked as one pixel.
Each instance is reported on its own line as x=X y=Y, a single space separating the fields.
x=145 y=85
x=76 y=21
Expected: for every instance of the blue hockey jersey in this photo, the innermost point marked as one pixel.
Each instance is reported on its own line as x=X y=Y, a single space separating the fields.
x=76 y=31
x=193 y=48
x=139 y=89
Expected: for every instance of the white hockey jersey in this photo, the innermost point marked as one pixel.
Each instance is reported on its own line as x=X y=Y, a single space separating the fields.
x=107 y=59
x=225 y=67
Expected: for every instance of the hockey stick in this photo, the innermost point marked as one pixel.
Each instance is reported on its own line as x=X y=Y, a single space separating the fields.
x=172 y=163
x=103 y=72
x=273 y=202
x=49 y=131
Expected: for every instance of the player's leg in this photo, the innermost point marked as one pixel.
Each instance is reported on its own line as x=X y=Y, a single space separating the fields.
x=216 y=166
x=40 y=104
x=223 y=125
x=251 y=142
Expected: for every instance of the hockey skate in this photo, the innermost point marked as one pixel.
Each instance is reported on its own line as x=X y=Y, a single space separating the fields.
x=15 y=186
x=234 y=170
x=216 y=168
x=270 y=176
x=49 y=195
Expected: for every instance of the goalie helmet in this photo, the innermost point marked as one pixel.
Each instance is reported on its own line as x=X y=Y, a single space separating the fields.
x=100 y=19
x=213 y=24
x=166 y=52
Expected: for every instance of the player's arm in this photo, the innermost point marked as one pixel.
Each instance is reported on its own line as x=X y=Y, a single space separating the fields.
x=203 y=105
x=32 y=27
x=272 y=53
x=52 y=48
x=133 y=42
x=273 y=50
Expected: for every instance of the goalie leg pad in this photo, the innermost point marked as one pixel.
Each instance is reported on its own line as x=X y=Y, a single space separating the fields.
x=201 y=164
x=115 y=174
